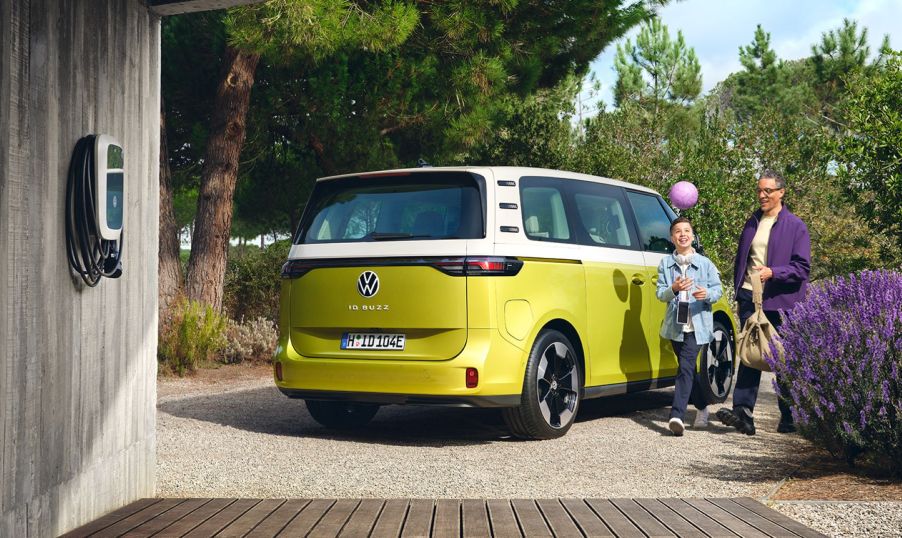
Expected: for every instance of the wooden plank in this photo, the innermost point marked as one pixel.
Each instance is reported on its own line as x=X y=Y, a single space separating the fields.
x=363 y=519
x=702 y=521
x=391 y=519
x=759 y=522
x=167 y=518
x=138 y=518
x=446 y=523
x=333 y=521
x=778 y=518
x=558 y=519
x=531 y=521
x=502 y=519
x=673 y=521
x=726 y=519
x=308 y=518
x=112 y=518
x=222 y=519
x=251 y=518
x=184 y=525
x=645 y=521
x=419 y=519
x=614 y=519
x=475 y=519
x=587 y=520
x=276 y=521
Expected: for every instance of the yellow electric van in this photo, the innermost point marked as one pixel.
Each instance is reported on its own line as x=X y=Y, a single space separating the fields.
x=520 y=288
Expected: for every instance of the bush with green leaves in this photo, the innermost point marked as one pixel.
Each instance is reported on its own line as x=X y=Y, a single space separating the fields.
x=194 y=334
x=252 y=280
x=250 y=341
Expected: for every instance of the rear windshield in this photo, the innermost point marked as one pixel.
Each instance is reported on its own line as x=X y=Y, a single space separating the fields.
x=418 y=206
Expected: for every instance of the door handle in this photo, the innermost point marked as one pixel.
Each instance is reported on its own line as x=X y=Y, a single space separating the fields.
x=638 y=280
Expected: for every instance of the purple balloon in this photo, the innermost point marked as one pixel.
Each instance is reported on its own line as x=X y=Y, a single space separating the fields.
x=684 y=195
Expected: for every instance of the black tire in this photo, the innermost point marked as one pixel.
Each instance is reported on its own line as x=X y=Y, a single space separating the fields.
x=551 y=388
x=716 y=367
x=341 y=415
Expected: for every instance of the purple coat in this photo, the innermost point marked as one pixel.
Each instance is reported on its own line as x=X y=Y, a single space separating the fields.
x=788 y=256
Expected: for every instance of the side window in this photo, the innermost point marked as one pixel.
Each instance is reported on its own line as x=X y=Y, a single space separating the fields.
x=653 y=221
x=602 y=217
x=544 y=217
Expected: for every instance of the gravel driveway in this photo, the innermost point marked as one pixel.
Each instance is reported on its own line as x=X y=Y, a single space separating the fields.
x=245 y=439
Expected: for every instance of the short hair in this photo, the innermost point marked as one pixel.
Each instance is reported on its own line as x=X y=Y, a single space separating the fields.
x=778 y=178
x=680 y=220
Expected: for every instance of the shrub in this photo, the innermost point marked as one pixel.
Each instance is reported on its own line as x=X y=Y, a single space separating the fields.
x=193 y=334
x=253 y=341
x=843 y=355
x=251 y=288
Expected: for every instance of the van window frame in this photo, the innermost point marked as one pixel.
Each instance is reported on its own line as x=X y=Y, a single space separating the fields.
x=671 y=216
x=307 y=215
x=569 y=187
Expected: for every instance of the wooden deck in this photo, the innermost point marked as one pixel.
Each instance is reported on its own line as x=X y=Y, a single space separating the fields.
x=444 y=518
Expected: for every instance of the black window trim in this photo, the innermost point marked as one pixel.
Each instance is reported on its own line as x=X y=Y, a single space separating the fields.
x=307 y=217
x=578 y=234
x=636 y=221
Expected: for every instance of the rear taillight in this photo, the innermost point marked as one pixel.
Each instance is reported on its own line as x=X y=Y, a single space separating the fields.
x=295 y=268
x=472 y=378
x=479 y=266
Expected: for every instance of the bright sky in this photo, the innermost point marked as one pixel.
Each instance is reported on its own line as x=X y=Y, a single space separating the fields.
x=717 y=28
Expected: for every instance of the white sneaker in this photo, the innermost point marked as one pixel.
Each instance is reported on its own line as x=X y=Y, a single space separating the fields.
x=676 y=426
x=701 y=418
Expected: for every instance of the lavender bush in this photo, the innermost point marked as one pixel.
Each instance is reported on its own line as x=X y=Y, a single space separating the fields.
x=842 y=362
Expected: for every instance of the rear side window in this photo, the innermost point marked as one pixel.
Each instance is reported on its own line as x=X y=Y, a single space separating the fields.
x=544 y=216
x=602 y=215
x=440 y=205
x=653 y=221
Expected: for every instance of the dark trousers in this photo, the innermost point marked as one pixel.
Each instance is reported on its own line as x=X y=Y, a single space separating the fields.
x=747 y=381
x=687 y=354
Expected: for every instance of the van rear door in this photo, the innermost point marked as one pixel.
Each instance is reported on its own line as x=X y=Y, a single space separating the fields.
x=410 y=301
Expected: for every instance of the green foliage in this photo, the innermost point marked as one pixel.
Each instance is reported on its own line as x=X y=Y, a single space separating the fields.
x=252 y=281
x=282 y=29
x=194 y=334
x=657 y=69
x=766 y=82
x=870 y=152
x=250 y=341
x=535 y=131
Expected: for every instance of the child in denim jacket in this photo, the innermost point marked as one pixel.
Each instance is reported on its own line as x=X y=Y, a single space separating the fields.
x=689 y=283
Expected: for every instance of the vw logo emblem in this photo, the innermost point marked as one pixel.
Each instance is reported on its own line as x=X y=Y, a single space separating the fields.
x=368 y=284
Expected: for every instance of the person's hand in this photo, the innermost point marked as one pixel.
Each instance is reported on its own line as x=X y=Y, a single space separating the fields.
x=766 y=273
x=681 y=284
x=700 y=293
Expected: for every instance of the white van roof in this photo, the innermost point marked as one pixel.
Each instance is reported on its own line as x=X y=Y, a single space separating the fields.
x=503 y=171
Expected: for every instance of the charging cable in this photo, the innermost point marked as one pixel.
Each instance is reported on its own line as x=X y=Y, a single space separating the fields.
x=90 y=256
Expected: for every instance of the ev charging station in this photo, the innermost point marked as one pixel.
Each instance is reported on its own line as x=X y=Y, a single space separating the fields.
x=95 y=208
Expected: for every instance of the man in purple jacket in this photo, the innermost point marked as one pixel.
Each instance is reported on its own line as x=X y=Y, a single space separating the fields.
x=775 y=247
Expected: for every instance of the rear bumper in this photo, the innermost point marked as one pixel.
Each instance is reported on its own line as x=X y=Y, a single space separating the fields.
x=511 y=400
x=500 y=365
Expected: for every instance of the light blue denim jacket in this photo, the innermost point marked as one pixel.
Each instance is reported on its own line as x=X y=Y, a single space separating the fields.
x=703 y=273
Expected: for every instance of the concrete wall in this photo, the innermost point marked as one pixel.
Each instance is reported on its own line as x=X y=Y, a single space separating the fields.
x=77 y=366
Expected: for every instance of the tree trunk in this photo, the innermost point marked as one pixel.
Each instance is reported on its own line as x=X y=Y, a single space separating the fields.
x=170 y=279
x=213 y=224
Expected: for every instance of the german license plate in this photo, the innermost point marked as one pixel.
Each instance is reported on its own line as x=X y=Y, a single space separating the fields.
x=373 y=341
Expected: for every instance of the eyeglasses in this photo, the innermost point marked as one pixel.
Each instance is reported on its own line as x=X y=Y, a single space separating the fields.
x=768 y=191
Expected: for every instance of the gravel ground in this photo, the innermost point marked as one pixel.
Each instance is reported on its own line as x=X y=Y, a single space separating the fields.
x=244 y=439
x=846 y=518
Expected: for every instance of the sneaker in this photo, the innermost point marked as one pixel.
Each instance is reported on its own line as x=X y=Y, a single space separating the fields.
x=701 y=418
x=786 y=427
x=741 y=419
x=676 y=426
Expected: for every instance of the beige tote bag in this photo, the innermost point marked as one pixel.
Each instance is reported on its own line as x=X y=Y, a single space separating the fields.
x=753 y=344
